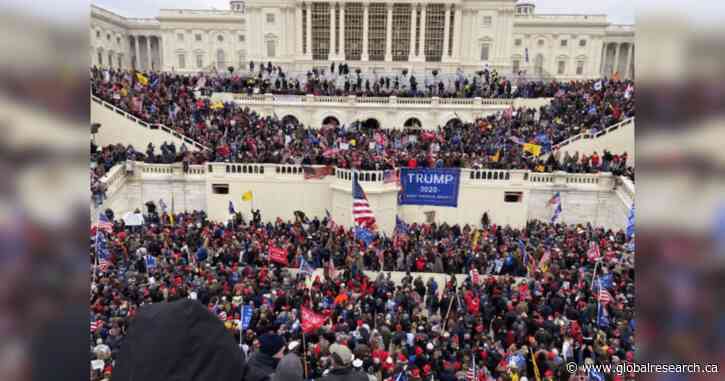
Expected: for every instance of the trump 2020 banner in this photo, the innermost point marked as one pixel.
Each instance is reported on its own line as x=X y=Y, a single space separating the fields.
x=429 y=186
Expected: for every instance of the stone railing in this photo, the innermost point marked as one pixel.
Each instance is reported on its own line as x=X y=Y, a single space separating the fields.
x=115 y=178
x=273 y=99
x=598 y=134
x=152 y=126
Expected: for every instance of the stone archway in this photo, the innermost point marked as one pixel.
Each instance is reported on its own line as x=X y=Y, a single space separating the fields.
x=287 y=119
x=330 y=120
x=413 y=123
x=371 y=123
x=453 y=122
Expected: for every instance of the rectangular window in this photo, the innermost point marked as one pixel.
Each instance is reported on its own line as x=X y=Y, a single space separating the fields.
x=241 y=38
x=182 y=61
x=377 y=22
x=198 y=36
x=516 y=66
x=582 y=43
x=484 y=52
x=563 y=43
x=220 y=188
x=434 y=25
x=517 y=42
x=580 y=68
x=180 y=36
x=561 y=68
x=270 y=18
x=513 y=196
x=354 y=31
x=270 y=49
x=199 y=61
x=487 y=20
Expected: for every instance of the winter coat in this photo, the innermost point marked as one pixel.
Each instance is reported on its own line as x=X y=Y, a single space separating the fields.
x=259 y=367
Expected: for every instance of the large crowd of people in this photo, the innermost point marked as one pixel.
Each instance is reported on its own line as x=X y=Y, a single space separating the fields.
x=415 y=328
x=241 y=135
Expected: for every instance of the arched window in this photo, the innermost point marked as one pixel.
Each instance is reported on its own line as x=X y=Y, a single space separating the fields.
x=220 y=59
x=539 y=64
x=220 y=38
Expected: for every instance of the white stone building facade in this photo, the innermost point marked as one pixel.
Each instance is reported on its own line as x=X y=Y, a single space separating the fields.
x=387 y=36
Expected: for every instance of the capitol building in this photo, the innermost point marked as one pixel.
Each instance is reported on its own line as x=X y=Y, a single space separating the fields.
x=386 y=36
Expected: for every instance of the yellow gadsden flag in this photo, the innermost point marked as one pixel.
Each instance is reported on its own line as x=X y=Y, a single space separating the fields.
x=534 y=149
x=217 y=105
x=247 y=196
x=142 y=79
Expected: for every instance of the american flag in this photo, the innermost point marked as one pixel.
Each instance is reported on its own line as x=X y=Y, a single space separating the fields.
x=604 y=296
x=103 y=223
x=102 y=252
x=95 y=325
x=361 y=212
x=223 y=316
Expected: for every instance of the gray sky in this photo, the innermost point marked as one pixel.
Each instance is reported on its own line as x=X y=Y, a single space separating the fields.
x=619 y=11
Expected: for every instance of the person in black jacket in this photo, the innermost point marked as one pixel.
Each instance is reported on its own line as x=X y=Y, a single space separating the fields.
x=342 y=369
x=263 y=363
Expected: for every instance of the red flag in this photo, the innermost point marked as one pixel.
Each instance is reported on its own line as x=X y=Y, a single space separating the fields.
x=278 y=255
x=311 y=320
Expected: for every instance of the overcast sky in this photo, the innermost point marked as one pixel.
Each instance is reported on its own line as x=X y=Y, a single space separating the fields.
x=619 y=11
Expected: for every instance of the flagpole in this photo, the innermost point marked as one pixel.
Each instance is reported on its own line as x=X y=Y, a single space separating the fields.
x=450 y=304
x=241 y=321
x=594 y=275
x=304 y=352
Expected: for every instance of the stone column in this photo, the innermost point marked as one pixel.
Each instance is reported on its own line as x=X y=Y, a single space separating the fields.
x=298 y=28
x=446 y=32
x=413 y=11
x=137 y=60
x=421 y=50
x=331 y=55
x=160 y=49
x=389 y=34
x=366 y=10
x=341 y=55
x=283 y=40
x=457 y=23
x=628 y=72
x=617 y=48
x=309 y=30
x=148 y=53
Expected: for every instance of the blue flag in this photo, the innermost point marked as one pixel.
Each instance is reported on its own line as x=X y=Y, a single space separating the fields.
x=557 y=212
x=246 y=316
x=595 y=375
x=401 y=226
x=630 y=223
x=605 y=281
x=231 y=207
x=522 y=249
x=306 y=268
x=150 y=262
x=602 y=316
x=363 y=234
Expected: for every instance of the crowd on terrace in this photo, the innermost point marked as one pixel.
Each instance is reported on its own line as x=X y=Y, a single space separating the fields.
x=419 y=328
x=341 y=80
x=236 y=134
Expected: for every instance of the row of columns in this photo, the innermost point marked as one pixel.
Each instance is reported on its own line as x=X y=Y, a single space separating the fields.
x=337 y=51
x=608 y=70
x=149 y=63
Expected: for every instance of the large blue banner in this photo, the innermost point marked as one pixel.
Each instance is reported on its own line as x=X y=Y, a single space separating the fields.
x=429 y=186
